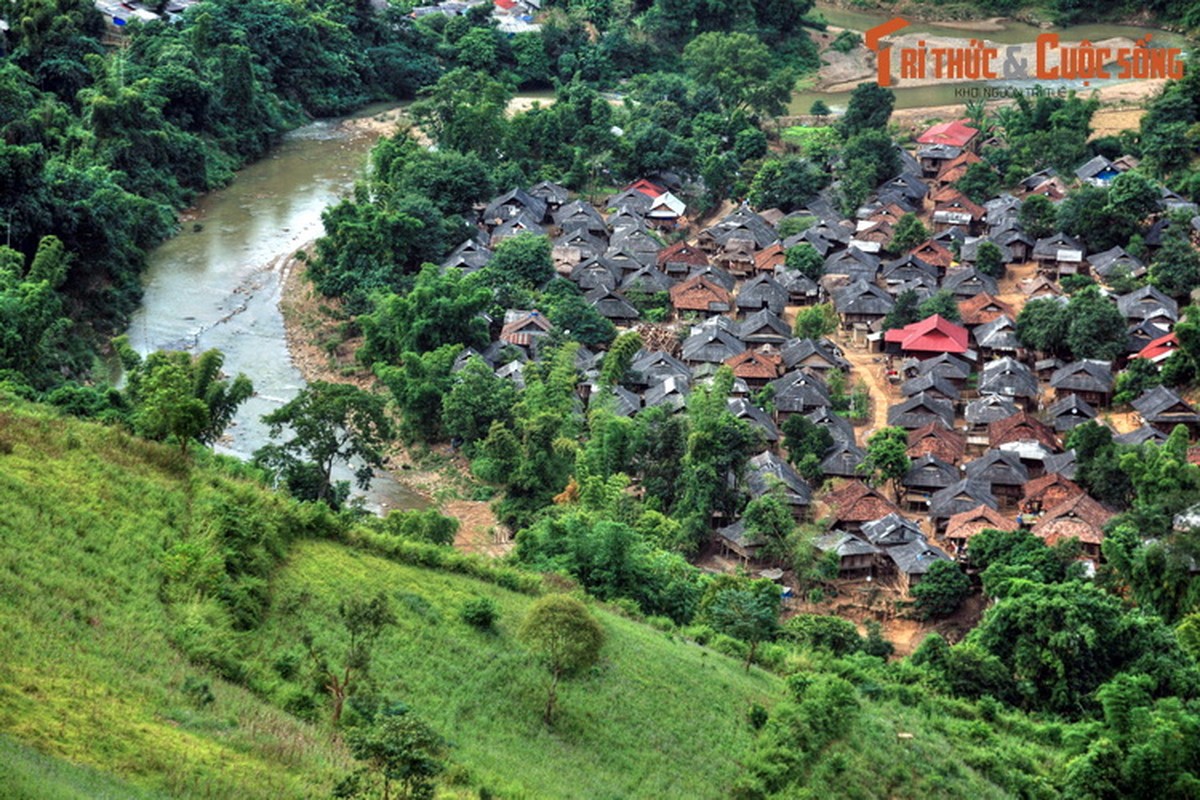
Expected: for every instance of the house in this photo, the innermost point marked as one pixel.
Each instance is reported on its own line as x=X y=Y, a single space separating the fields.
x=644 y=279
x=1115 y=261
x=956 y=133
x=761 y=291
x=649 y=367
x=764 y=327
x=920 y=410
x=983 y=308
x=679 y=259
x=766 y=470
x=522 y=222
x=1016 y=243
x=631 y=200
x=802 y=290
x=1158 y=350
x=982 y=412
x=855 y=504
x=578 y=215
x=736 y=542
x=670 y=394
x=552 y=193
x=1039 y=288
x=513 y=203
x=469 y=256
x=711 y=344
x=594 y=274
x=770 y=259
x=911 y=561
x=1012 y=379
x=891 y=530
x=928 y=474
x=1003 y=472
x=612 y=305
x=963 y=496
x=757 y=369
x=945 y=444
x=861 y=303
x=1080 y=518
x=700 y=295
x=1022 y=427
x=1142 y=334
x=578 y=244
x=929 y=337
x=952 y=207
x=965 y=283
x=934 y=156
x=1058 y=255
x=854 y=263
x=798 y=392
x=955 y=168
x=933 y=385
x=836 y=424
x=666 y=209
x=524 y=327
x=821 y=357
x=966 y=524
x=906 y=270
x=1098 y=171
x=1163 y=409
x=998 y=338
x=1062 y=463
x=1048 y=491
x=741 y=408
x=857 y=558
x=843 y=459
x=946 y=366
x=1141 y=435
x=1148 y=303
x=1069 y=411
x=935 y=253
x=1091 y=379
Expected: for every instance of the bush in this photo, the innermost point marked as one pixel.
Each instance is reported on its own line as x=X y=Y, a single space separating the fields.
x=942 y=590
x=480 y=613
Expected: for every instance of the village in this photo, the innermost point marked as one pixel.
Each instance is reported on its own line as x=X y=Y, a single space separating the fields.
x=986 y=418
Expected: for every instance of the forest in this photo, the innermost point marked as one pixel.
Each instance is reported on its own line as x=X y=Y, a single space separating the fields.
x=1070 y=685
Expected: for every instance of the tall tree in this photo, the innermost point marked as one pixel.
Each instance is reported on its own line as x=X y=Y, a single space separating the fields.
x=887 y=457
x=741 y=70
x=364 y=622
x=870 y=108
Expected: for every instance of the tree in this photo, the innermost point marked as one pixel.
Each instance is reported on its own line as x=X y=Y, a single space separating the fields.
x=816 y=322
x=1140 y=375
x=989 y=260
x=806 y=443
x=942 y=303
x=819 y=110
x=443 y=308
x=805 y=258
x=942 y=590
x=1096 y=327
x=464 y=111
x=176 y=395
x=870 y=108
x=873 y=153
x=397 y=746
x=523 y=259
x=786 y=183
x=478 y=398
x=1176 y=266
x=749 y=612
x=909 y=233
x=887 y=457
x=332 y=422
x=742 y=71
x=1037 y=216
x=767 y=518
x=905 y=311
x=364 y=621
x=565 y=637
x=616 y=363
x=1042 y=325
x=980 y=182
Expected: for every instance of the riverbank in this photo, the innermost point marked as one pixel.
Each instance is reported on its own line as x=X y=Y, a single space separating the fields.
x=321 y=352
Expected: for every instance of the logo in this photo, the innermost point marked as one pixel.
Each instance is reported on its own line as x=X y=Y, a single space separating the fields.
x=1053 y=60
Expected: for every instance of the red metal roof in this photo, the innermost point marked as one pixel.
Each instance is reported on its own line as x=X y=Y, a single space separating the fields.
x=1159 y=348
x=955 y=134
x=641 y=184
x=934 y=334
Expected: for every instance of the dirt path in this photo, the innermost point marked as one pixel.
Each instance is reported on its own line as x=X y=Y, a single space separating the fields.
x=869 y=367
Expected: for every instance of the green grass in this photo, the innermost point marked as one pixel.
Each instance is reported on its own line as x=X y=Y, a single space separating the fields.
x=659 y=717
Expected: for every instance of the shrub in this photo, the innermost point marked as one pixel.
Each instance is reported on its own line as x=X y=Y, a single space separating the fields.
x=480 y=613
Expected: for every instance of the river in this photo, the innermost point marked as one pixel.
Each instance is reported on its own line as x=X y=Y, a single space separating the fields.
x=1013 y=32
x=217 y=283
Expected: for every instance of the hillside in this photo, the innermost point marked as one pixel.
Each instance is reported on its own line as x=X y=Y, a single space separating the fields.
x=91 y=547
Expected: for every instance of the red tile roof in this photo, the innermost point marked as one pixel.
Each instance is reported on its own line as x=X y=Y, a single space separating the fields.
x=1080 y=518
x=950 y=197
x=934 y=253
x=857 y=502
x=641 y=184
x=1051 y=490
x=937 y=440
x=984 y=308
x=753 y=365
x=770 y=258
x=934 y=334
x=966 y=524
x=682 y=253
x=955 y=133
x=1021 y=426
x=697 y=294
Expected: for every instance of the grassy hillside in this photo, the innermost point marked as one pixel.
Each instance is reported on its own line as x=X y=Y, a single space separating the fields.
x=146 y=656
